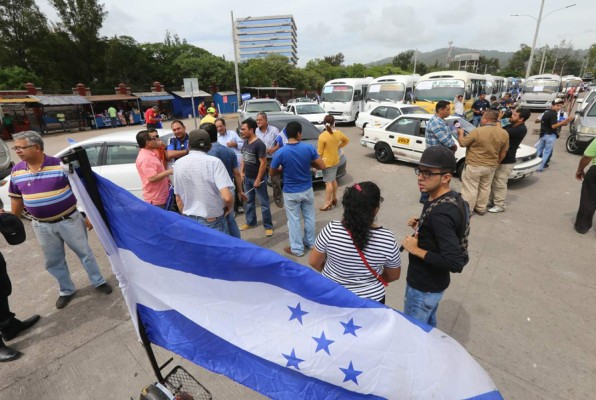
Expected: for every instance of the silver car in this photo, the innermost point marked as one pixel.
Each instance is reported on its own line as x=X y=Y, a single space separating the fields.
x=251 y=108
x=583 y=129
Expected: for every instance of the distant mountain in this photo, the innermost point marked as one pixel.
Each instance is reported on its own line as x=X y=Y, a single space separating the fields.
x=440 y=56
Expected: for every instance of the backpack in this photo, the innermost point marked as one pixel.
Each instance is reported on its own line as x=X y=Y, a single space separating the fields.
x=464 y=211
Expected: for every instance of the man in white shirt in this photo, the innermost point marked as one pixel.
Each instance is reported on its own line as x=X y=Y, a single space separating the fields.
x=268 y=133
x=202 y=184
x=232 y=140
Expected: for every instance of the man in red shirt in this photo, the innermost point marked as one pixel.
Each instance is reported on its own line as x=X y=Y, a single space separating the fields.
x=152 y=117
x=156 y=186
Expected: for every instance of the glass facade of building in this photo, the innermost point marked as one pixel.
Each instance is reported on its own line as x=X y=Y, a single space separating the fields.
x=258 y=37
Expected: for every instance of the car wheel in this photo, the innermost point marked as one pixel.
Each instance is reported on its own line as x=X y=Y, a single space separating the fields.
x=383 y=153
x=571 y=144
x=460 y=168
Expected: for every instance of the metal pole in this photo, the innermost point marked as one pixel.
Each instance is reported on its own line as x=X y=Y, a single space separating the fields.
x=415 y=60
x=93 y=115
x=235 y=40
x=542 y=62
x=535 y=38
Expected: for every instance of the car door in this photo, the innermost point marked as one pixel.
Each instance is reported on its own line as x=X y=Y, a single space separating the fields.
x=120 y=167
x=378 y=116
x=419 y=143
x=402 y=135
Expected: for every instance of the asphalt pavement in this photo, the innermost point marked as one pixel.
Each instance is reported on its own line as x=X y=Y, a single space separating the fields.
x=522 y=306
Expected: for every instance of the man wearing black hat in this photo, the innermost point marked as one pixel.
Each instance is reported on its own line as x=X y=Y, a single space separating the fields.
x=439 y=244
x=10 y=327
x=202 y=184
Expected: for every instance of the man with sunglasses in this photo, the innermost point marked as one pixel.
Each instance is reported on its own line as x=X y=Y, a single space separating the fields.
x=39 y=183
x=439 y=244
x=154 y=176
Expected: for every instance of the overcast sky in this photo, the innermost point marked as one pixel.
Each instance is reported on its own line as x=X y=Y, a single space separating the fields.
x=364 y=31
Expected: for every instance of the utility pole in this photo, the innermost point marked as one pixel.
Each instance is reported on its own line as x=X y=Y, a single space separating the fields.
x=529 y=69
x=449 y=54
x=235 y=40
x=415 y=59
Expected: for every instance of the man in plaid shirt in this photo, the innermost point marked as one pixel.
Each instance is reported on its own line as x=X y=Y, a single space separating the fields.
x=438 y=132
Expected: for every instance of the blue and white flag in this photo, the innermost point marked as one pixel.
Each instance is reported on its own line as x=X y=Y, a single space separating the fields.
x=269 y=323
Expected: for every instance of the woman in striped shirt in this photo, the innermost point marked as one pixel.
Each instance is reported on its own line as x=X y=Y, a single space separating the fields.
x=356 y=253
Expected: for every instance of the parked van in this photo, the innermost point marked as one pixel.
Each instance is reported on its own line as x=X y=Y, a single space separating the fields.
x=446 y=85
x=495 y=86
x=391 y=89
x=539 y=91
x=344 y=98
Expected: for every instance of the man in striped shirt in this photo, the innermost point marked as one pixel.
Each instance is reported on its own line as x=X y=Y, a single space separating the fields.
x=39 y=184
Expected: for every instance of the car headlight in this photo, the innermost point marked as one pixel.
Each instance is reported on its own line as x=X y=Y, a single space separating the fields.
x=589 y=130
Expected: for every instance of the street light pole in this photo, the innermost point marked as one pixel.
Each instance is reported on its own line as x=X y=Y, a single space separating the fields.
x=235 y=40
x=534 y=41
x=538 y=21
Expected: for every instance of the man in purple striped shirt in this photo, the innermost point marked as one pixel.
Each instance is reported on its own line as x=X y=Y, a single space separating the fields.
x=39 y=184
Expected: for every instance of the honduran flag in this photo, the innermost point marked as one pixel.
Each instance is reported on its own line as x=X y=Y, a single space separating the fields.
x=275 y=326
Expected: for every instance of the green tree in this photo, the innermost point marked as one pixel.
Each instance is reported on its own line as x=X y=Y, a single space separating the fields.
x=336 y=60
x=83 y=19
x=15 y=78
x=518 y=62
x=127 y=62
x=488 y=65
x=404 y=60
x=22 y=26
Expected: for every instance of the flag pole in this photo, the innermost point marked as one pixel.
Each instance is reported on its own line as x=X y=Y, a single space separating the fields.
x=77 y=158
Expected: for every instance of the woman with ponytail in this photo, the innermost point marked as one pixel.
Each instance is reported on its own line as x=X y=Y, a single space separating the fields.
x=355 y=252
x=330 y=141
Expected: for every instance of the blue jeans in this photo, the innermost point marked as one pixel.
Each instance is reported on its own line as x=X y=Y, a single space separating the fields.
x=73 y=232
x=422 y=305
x=250 y=210
x=297 y=204
x=231 y=218
x=476 y=120
x=219 y=224
x=544 y=147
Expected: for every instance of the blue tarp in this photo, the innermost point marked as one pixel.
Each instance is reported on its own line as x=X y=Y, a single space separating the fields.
x=226 y=102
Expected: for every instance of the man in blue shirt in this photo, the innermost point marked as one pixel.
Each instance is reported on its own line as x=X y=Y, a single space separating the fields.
x=178 y=146
x=296 y=160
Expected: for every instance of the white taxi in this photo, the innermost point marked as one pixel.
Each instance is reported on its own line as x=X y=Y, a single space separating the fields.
x=403 y=139
x=384 y=113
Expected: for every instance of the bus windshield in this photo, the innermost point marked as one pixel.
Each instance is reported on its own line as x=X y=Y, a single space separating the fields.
x=337 y=93
x=440 y=89
x=541 y=86
x=386 y=91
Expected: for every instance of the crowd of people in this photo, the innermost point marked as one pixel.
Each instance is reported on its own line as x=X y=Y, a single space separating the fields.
x=211 y=174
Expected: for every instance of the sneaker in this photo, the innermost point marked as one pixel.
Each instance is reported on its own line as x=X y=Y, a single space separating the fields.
x=245 y=227
x=104 y=288
x=496 y=209
x=268 y=232
x=64 y=300
x=240 y=210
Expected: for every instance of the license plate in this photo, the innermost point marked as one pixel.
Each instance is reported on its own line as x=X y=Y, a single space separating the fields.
x=319 y=174
x=403 y=140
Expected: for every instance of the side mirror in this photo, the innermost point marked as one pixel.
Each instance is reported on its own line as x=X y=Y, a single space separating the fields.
x=579 y=101
x=468 y=95
x=580 y=113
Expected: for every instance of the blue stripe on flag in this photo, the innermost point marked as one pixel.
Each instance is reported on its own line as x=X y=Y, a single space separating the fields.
x=173 y=331
x=166 y=240
x=487 y=396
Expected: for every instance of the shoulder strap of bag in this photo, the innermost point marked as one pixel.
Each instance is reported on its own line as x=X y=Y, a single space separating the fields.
x=457 y=201
x=372 y=271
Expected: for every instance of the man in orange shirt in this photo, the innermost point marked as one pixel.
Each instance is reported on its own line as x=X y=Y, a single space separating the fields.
x=156 y=186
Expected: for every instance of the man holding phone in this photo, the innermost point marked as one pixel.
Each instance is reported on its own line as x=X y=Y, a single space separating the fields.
x=479 y=108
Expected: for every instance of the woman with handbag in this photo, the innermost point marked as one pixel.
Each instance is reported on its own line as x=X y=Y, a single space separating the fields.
x=355 y=252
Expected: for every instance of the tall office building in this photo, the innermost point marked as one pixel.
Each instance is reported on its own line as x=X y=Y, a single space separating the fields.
x=257 y=37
